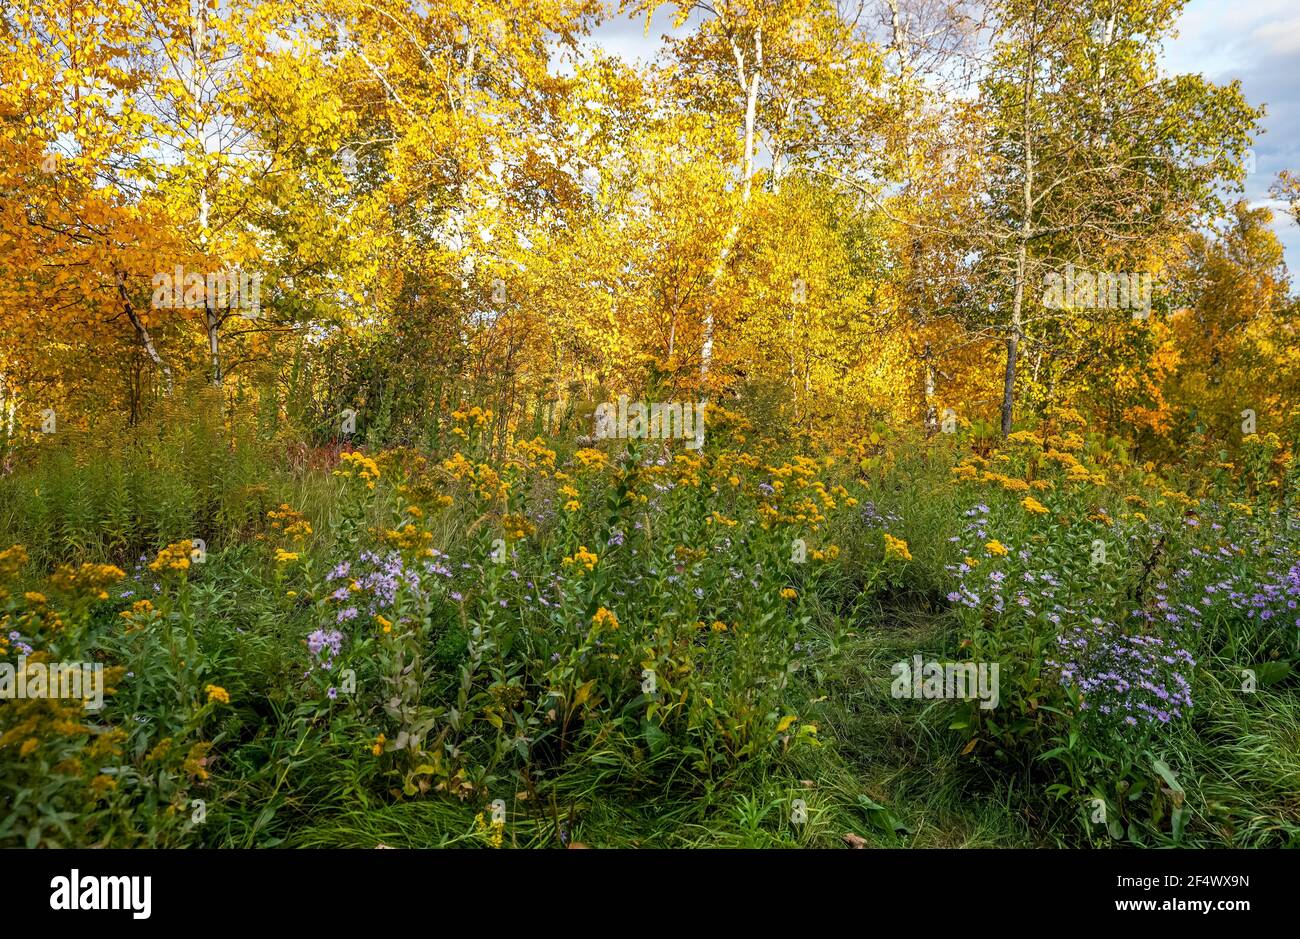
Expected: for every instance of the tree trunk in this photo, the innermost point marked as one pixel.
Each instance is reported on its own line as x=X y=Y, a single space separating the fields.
x=751 y=118
x=214 y=344
x=749 y=82
x=142 y=331
x=1013 y=348
x=931 y=413
x=1025 y=233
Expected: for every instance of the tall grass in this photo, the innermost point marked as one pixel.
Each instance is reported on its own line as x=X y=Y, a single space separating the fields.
x=288 y=771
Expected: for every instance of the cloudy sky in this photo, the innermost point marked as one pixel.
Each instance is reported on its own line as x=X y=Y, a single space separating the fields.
x=1256 y=41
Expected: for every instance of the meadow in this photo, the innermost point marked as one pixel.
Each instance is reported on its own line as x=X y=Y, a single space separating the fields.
x=622 y=423
x=502 y=639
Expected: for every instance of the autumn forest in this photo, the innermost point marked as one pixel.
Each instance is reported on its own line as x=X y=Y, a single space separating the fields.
x=857 y=424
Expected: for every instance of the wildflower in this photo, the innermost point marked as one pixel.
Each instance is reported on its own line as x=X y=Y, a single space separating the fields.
x=174 y=557
x=196 y=761
x=12 y=560
x=536 y=455
x=789 y=593
x=92 y=578
x=217 y=694
x=410 y=538
x=285 y=557
x=159 y=750
x=604 y=619
x=101 y=784
x=459 y=467
x=359 y=466
x=896 y=548
x=385 y=625
x=591 y=459
x=517 y=527
x=996 y=547
x=319 y=641
x=1118 y=673
x=582 y=558
x=1033 y=505
x=494 y=832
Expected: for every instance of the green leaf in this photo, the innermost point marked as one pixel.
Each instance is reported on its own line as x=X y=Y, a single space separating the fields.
x=1161 y=767
x=1270 y=673
x=882 y=817
x=654 y=736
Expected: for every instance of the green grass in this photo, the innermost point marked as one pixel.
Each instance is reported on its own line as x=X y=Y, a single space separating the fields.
x=287 y=767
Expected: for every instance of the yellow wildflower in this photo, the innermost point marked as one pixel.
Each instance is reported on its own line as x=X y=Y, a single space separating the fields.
x=896 y=548
x=517 y=527
x=12 y=560
x=582 y=558
x=174 y=557
x=1033 y=505
x=591 y=459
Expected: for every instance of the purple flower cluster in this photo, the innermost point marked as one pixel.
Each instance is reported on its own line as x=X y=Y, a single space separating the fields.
x=385 y=578
x=872 y=517
x=986 y=581
x=1126 y=680
x=1276 y=595
x=380 y=578
x=324 y=646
